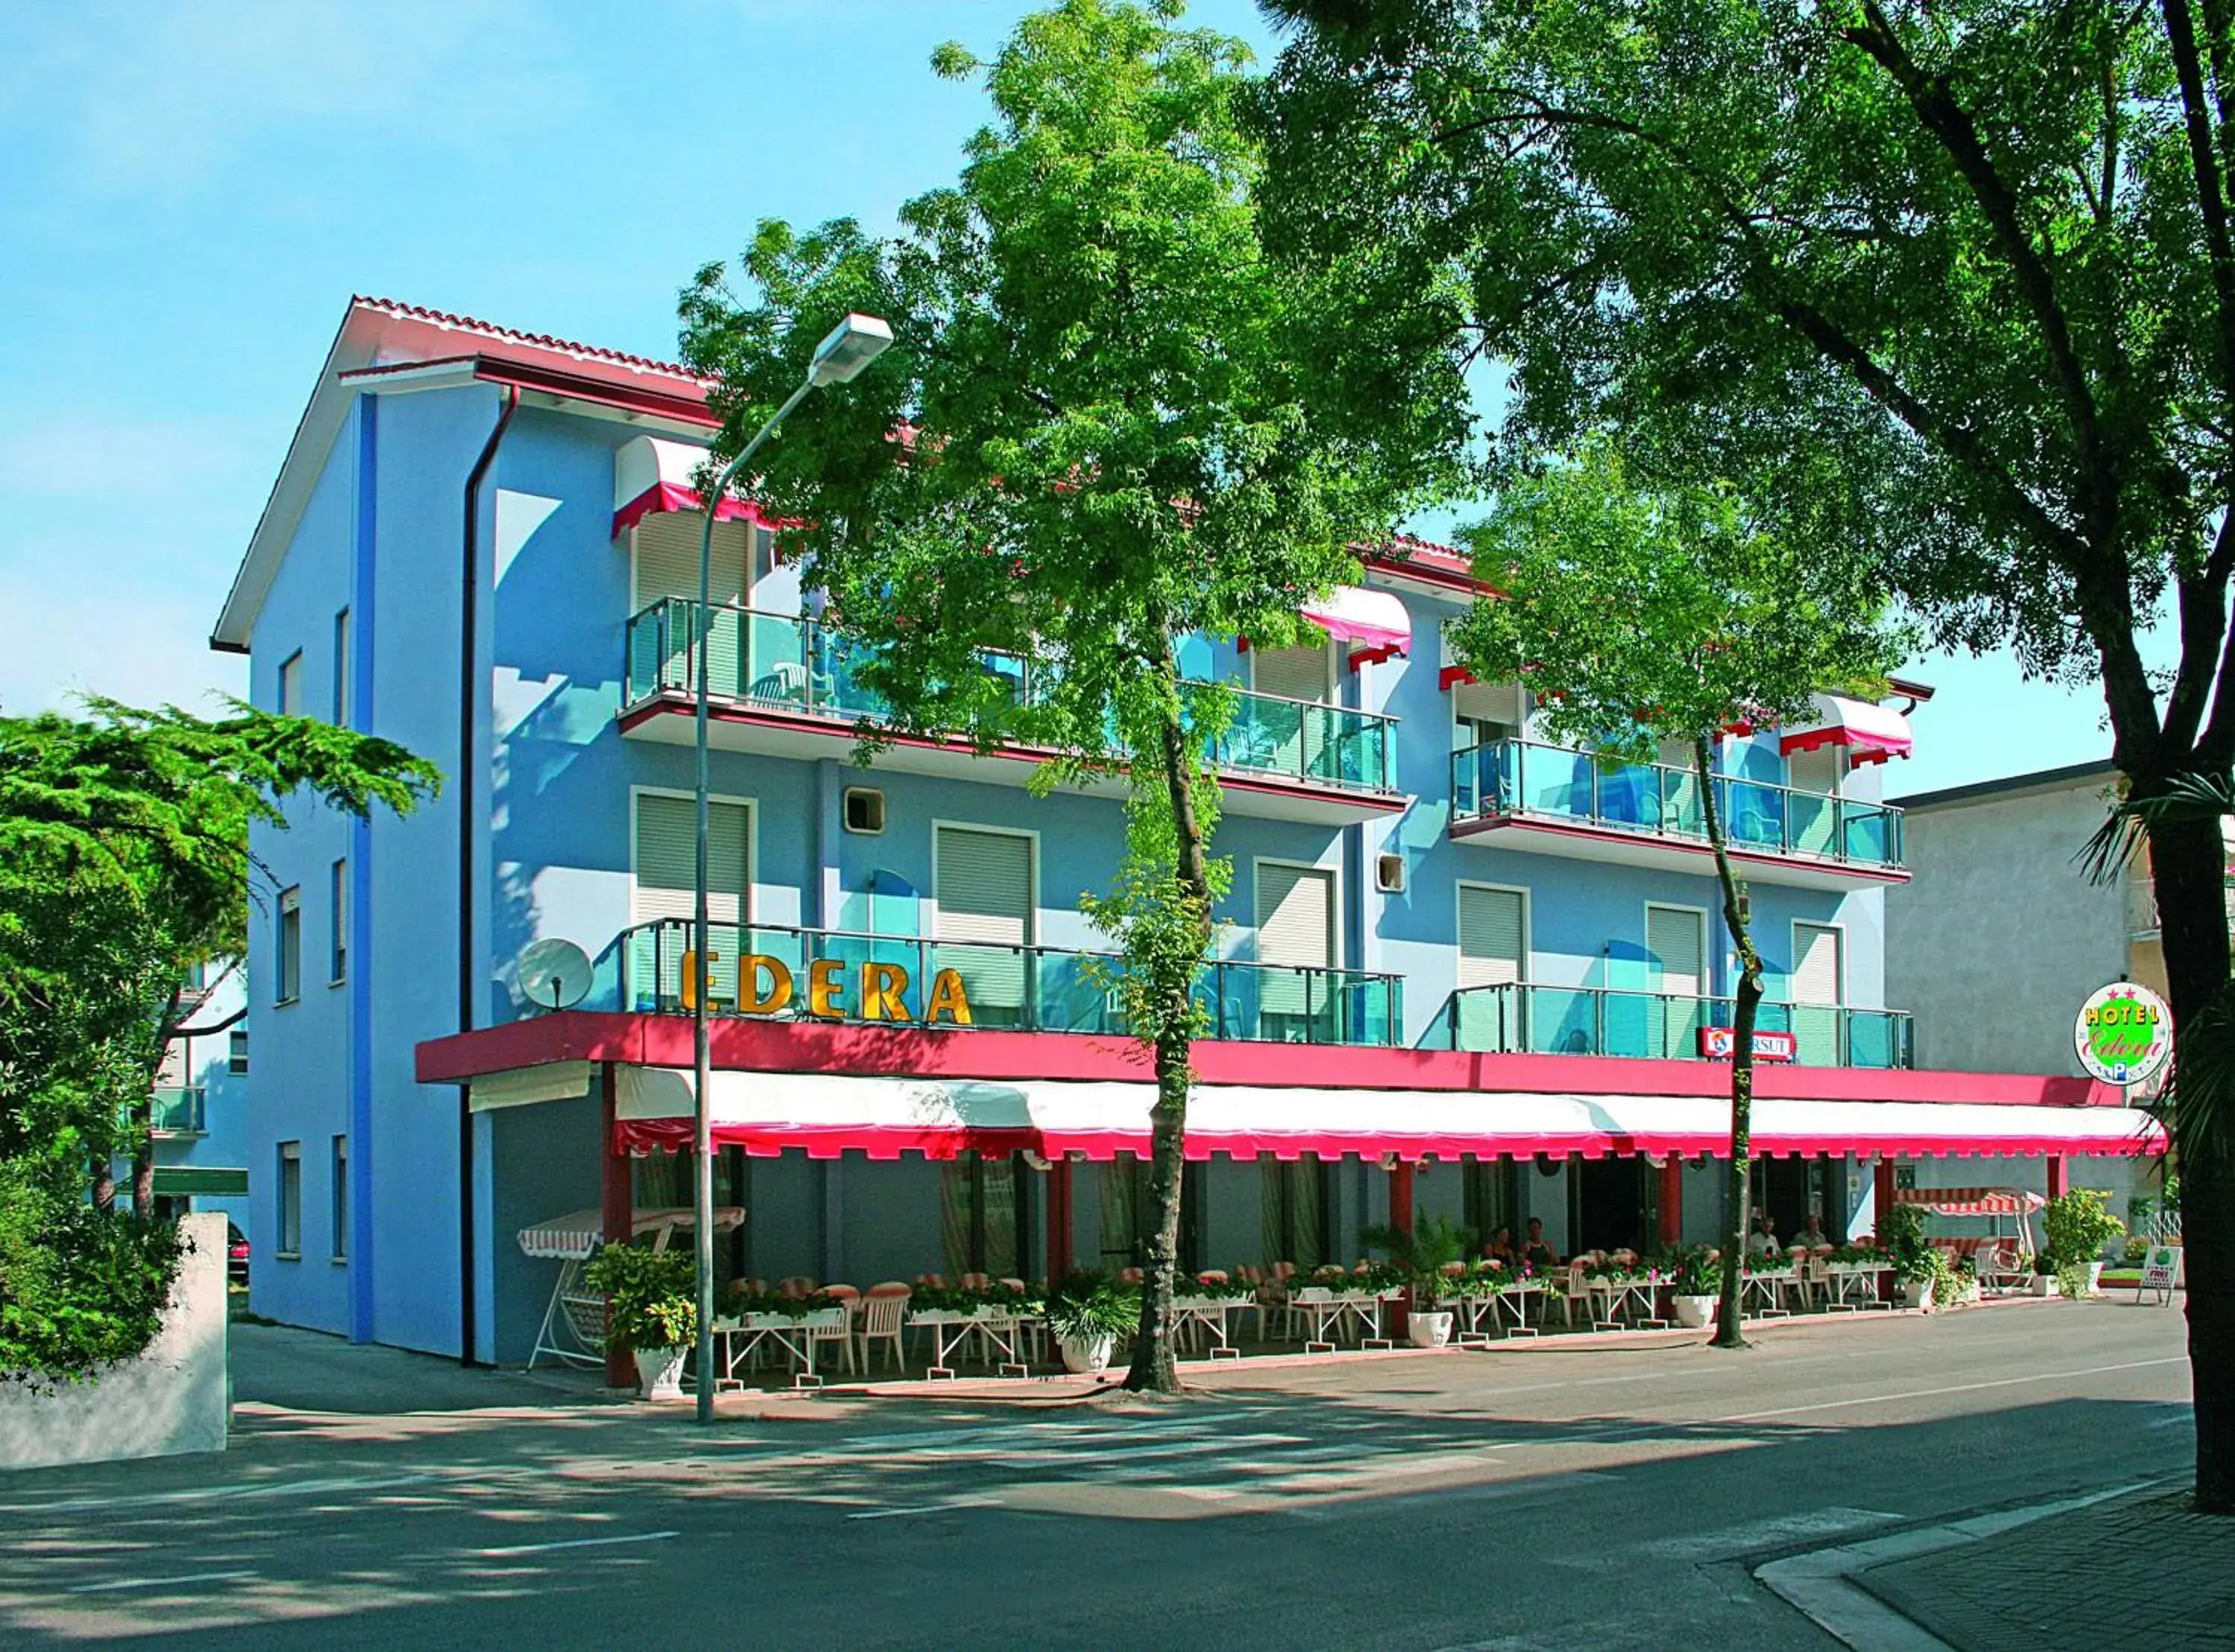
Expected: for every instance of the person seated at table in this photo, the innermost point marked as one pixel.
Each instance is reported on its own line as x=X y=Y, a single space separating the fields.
x=1764 y=1242
x=1536 y=1250
x=1500 y=1248
x=1812 y=1234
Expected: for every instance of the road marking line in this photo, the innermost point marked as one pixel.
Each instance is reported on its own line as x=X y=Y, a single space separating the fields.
x=1926 y=1394
x=576 y=1543
x=926 y=1508
x=159 y=1583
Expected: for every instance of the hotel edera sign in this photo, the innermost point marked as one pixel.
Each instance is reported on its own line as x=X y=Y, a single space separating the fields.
x=870 y=992
x=2124 y=1034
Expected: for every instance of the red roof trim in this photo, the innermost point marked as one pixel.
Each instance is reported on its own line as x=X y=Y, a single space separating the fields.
x=745 y=1045
x=541 y=341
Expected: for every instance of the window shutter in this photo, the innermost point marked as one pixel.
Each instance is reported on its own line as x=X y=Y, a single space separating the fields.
x=1673 y=936
x=1499 y=702
x=1489 y=936
x=1815 y=771
x=667 y=559
x=1295 y=906
x=1815 y=964
x=1291 y=673
x=986 y=903
x=666 y=867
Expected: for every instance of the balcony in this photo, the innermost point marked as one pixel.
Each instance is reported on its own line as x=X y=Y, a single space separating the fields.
x=786 y=685
x=1525 y=1019
x=1547 y=800
x=1019 y=989
x=176 y=1110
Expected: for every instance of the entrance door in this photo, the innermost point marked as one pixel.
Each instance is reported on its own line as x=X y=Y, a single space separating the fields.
x=1783 y=1189
x=1676 y=972
x=1610 y=1204
x=1295 y=927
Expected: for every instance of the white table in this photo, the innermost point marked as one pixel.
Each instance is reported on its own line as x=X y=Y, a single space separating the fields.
x=1622 y=1290
x=1769 y=1284
x=1211 y=1313
x=1844 y=1276
x=948 y=1326
x=1331 y=1309
x=740 y=1336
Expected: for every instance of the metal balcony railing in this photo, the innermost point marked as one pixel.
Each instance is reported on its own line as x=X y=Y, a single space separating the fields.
x=177 y=1110
x=1520 y=778
x=794 y=662
x=1017 y=988
x=1525 y=1018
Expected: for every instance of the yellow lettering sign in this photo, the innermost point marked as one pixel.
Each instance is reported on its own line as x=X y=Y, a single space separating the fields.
x=823 y=988
x=752 y=1000
x=884 y=993
x=947 y=993
x=694 y=979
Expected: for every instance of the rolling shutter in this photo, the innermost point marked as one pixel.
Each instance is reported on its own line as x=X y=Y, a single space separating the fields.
x=1814 y=990
x=666 y=858
x=1490 y=943
x=1291 y=673
x=986 y=917
x=667 y=568
x=1491 y=702
x=1677 y=942
x=1295 y=912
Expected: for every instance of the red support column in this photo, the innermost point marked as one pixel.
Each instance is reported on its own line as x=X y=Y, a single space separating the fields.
x=618 y=1203
x=1058 y=1220
x=1671 y=1201
x=1882 y=1202
x=2060 y=1173
x=1401 y=1217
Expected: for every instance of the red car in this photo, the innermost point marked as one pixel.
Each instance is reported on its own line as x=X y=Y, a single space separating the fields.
x=236 y=1255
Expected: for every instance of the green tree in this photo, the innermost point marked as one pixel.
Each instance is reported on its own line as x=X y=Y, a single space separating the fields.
x=1637 y=618
x=124 y=861
x=1976 y=255
x=1089 y=442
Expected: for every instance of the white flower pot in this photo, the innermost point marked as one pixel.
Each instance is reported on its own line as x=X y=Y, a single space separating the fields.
x=1916 y=1293
x=1694 y=1313
x=659 y=1372
x=2044 y=1284
x=2094 y=1278
x=1088 y=1356
x=1428 y=1330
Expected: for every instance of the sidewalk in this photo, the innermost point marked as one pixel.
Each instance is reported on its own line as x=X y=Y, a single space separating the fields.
x=2141 y=1571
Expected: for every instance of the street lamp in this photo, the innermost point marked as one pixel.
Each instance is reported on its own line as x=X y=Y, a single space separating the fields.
x=845 y=351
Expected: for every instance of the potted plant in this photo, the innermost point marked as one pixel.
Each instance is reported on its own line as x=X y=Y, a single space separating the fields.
x=1916 y=1263
x=1695 y=1280
x=2079 y=1226
x=1420 y=1254
x=2044 y=1274
x=654 y=1312
x=1086 y=1315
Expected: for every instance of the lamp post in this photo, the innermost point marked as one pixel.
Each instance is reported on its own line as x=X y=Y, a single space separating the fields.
x=845 y=351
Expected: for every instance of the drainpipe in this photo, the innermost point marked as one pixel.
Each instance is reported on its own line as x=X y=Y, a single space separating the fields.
x=469 y=765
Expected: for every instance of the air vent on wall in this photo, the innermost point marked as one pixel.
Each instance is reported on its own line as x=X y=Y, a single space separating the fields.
x=1389 y=874
x=865 y=809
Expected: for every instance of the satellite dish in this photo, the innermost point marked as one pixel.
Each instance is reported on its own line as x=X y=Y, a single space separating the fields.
x=552 y=974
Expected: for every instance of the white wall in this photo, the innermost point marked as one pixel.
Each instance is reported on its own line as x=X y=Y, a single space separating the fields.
x=169 y=1400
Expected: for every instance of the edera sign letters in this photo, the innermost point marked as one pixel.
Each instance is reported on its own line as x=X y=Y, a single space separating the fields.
x=2124 y=1034
x=872 y=992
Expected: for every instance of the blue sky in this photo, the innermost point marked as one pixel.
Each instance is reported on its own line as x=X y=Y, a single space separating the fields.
x=195 y=190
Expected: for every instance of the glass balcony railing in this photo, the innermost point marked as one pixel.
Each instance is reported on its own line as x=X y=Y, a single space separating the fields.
x=794 y=662
x=1523 y=1018
x=177 y=1110
x=1519 y=778
x=1017 y=988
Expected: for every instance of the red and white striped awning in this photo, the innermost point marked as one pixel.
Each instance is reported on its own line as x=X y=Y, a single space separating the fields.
x=651 y=476
x=1970 y=1201
x=1870 y=733
x=825 y=1115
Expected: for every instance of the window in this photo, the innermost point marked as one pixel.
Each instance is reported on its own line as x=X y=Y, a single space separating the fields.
x=1818 y=985
x=290 y=685
x=666 y=869
x=289 y=949
x=1676 y=938
x=340 y=1252
x=1296 y=926
x=983 y=883
x=236 y=1050
x=338 y=910
x=1492 y=926
x=341 y=669
x=197 y=978
x=291 y=1199
x=1484 y=712
x=1295 y=673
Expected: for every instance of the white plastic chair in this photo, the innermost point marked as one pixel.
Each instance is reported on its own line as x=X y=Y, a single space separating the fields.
x=842 y=1332
x=884 y=1311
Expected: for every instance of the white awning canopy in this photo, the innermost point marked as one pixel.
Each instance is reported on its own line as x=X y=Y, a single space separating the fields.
x=825 y=1115
x=1870 y=733
x=650 y=476
x=1375 y=619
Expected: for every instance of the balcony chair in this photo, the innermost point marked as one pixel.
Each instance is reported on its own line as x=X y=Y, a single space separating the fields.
x=785 y=684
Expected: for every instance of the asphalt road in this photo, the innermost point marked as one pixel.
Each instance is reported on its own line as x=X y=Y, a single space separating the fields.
x=1591 y=1497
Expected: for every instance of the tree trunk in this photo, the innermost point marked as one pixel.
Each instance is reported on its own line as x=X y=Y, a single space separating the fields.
x=141 y=1115
x=1731 y=1311
x=2187 y=863
x=1153 y=1368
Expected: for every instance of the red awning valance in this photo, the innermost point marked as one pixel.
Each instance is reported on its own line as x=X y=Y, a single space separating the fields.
x=651 y=476
x=1870 y=733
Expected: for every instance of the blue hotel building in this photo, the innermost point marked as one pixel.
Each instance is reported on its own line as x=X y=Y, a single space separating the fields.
x=1459 y=967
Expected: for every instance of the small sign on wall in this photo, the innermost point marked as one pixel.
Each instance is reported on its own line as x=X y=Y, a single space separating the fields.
x=1722 y=1044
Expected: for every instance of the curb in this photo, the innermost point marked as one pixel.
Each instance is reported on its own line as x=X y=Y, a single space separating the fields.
x=1822 y=1584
